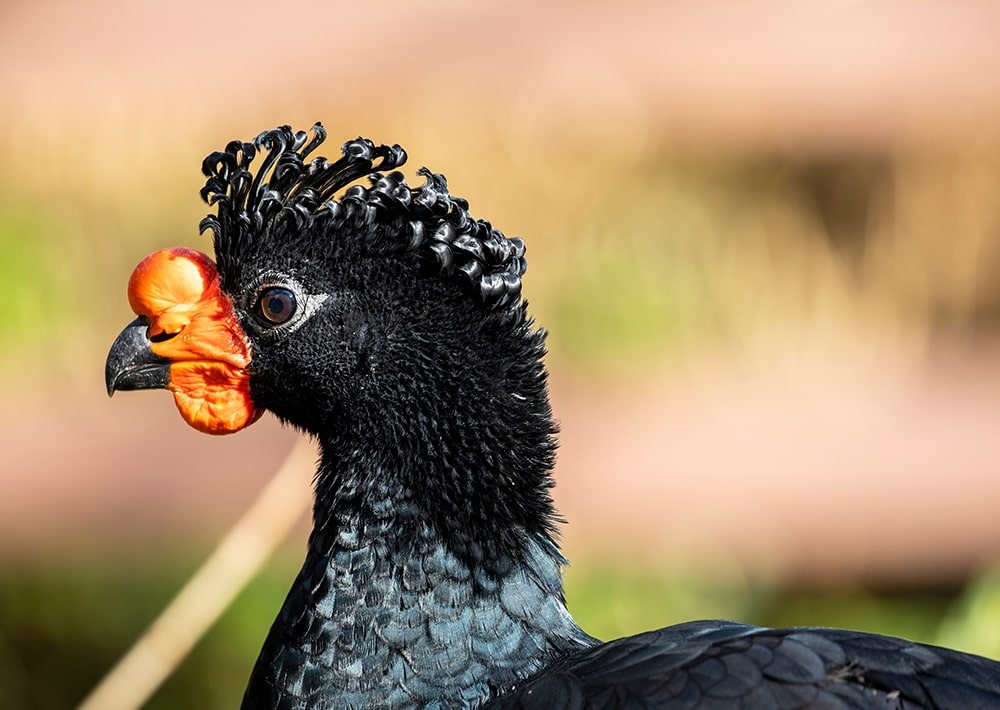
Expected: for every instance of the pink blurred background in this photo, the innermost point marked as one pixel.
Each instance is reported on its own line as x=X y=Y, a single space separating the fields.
x=805 y=199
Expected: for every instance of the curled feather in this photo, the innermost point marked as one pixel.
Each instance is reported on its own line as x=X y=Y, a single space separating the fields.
x=289 y=189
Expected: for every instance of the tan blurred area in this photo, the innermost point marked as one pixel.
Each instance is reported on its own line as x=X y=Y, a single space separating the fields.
x=764 y=237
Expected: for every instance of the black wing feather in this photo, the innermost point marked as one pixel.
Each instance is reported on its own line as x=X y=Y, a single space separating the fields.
x=718 y=664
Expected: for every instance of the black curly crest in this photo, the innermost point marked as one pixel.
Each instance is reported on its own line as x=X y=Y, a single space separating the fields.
x=286 y=192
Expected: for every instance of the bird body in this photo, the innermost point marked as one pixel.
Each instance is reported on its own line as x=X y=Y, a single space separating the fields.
x=722 y=665
x=387 y=323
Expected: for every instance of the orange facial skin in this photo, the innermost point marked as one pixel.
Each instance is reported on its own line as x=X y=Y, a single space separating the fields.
x=192 y=324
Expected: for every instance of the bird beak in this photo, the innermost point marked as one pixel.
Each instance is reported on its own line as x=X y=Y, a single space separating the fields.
x=187 y=339
x=132 y=364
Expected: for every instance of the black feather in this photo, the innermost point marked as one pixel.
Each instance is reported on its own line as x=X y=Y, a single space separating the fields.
x=717 y=664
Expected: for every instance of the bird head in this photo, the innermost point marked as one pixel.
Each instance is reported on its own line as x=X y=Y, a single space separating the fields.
x=330 y=310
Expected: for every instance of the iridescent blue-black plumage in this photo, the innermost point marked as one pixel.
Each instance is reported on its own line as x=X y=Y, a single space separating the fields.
x=720 y=665
x=376 y=622
x=432 y=577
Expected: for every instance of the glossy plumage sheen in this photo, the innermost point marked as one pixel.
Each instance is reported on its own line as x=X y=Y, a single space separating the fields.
x=721 y=665
x=387 y=322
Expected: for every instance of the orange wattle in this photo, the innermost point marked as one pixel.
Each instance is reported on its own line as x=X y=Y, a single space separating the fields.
x=192 y=323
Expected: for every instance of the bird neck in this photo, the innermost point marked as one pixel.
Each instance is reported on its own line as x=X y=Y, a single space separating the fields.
x=383 y=614
x=432 y=571
x=464 y=446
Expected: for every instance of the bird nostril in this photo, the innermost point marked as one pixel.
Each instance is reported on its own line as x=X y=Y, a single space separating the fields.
x=162 y=336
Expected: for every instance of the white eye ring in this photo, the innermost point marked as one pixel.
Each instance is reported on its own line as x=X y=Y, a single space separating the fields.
x=277 y=305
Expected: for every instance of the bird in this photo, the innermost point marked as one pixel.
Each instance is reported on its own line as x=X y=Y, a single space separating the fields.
x=387 y=323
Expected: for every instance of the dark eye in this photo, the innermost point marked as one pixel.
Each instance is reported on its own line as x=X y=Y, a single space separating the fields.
x=276 y=305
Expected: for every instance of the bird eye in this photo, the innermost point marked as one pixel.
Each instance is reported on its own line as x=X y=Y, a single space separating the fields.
x=276 y=305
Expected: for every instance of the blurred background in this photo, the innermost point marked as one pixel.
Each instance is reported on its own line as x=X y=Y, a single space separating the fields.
x=765 y=239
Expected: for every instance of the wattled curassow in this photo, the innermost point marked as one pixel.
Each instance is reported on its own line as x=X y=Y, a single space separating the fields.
x=387 y=323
